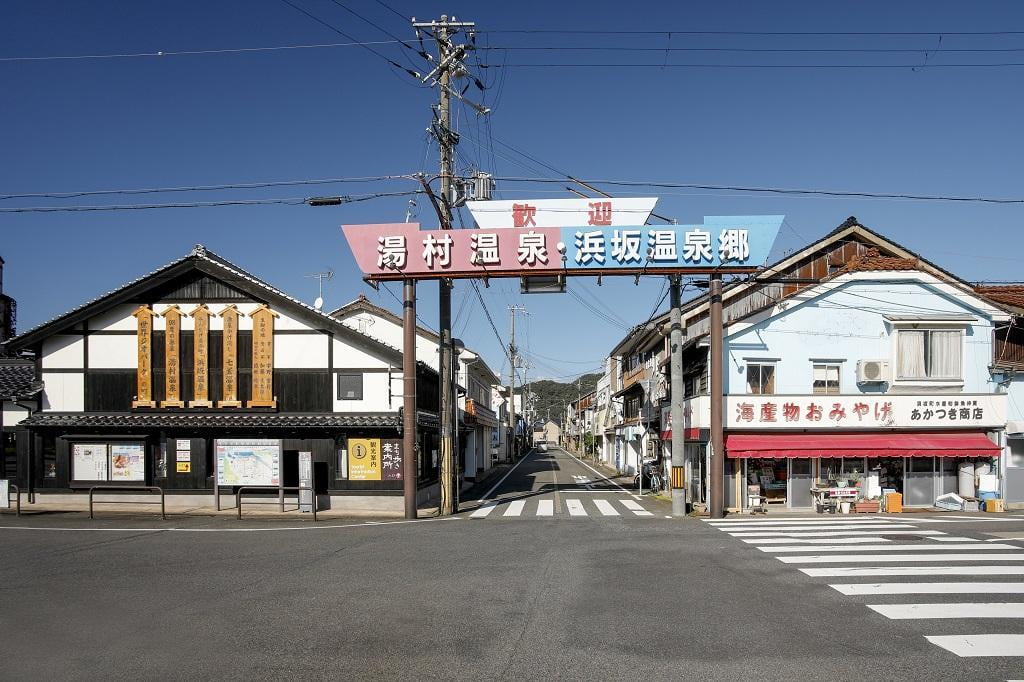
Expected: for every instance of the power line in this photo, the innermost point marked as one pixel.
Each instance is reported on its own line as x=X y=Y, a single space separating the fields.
x=696 y=65
x=383 y=30
x=665 y=32
x=781 y=190
x=202 y=188
x=392 y=10
x=494 y=328
x=290 y=201
x=755 y=50
x=188 y=53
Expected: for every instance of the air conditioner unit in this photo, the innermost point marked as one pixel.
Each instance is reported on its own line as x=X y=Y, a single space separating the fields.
x=872 y=371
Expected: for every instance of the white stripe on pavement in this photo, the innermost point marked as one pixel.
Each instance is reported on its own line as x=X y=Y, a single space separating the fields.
x=483 y=511
x=969 y=646
x=805 y=522
x=575 y=507
x=811 y=541
x=635 y=508
x=815 y=529
x=864 y=571
x=855 y=589
x=546 y=508
x=606 y=508
x=885 y=548
x=839 y=533
x=861 y=559
x=515 y=508
x=950 y=610
x=953 y=538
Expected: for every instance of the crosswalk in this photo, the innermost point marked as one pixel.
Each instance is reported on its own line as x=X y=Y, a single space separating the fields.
x=916 y=566
x=573 y=507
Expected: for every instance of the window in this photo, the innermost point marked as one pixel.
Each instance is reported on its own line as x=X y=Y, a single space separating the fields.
x=350 y=386
x=114 y=462
x=760 y=379
x=826 y=379
x=929 y=354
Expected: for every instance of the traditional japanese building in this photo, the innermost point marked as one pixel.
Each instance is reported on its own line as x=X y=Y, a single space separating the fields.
x=200 y=377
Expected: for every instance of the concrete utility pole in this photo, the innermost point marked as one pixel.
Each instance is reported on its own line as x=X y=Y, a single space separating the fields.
x=676 y=386
x=715 y=366
x=512 y=356
x=448 y=59
x=409 y=439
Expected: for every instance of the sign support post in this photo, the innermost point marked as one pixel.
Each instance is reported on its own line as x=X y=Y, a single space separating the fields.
x=410 y=449
x=676 y=384
x=716 y=367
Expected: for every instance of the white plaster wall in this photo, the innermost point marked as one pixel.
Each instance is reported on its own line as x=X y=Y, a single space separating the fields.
x=299 y=351
x=113 y=352
x=117 y=318
x=375 y=394
x=13 y=414
x=391 y=334
x=64 y=352
x=347 y=355
x=64 y=392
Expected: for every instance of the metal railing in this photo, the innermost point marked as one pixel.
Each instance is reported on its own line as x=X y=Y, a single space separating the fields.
x=280 y=492
x=17 y=497
x=123 y=488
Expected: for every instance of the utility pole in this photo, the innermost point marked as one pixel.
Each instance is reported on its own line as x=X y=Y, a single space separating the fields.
x=715 y=366
x=676 y=388
x=410 y=448
x=512 y=356
x=447 y=60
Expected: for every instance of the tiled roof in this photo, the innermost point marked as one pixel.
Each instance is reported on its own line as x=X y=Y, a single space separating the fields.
x=219 y=420
x=873 y=260
x=1007 y=294
x=18 y=380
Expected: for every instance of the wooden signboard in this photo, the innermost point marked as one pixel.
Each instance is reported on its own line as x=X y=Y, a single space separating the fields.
x=201 y=358
x=262 y=358
x=172 y=358
x=229 y=381
x=144 y=374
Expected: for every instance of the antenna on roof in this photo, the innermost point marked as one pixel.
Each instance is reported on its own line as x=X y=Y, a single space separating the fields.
x=321 y=276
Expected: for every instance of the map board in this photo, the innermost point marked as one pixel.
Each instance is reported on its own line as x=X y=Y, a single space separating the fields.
x=248 y=461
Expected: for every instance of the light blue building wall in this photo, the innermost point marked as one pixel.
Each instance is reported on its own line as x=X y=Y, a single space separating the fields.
x=849 y=323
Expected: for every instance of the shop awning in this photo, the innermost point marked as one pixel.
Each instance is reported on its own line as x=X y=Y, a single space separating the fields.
x=902 y=444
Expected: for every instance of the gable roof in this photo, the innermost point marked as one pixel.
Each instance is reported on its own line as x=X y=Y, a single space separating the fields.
x=201 y=260
x=362 y=304
x=1011 y=295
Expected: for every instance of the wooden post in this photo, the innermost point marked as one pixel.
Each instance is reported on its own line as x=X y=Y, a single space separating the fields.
x=172 y=358
x=144 y=373
x=201 y=357
x=229 y=371
x=262 y=358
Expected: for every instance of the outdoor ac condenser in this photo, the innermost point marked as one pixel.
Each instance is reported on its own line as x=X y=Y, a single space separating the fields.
x=872 y=371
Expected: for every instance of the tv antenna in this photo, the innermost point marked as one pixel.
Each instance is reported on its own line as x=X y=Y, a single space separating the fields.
x=321 y=276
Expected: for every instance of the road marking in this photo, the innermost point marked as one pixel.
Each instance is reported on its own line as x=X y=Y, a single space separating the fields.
x=802 y=522
x=954 y=538
x=333 y=526
x=950 y=610
x=601 y=476
x=859 y=571
x=970 y=646
x=815 y=529
x=606 y=508
x=501 y=480
x=841 y=533
x=515 y=508
x=812 y=541
x=575 y=507
x=483 y=511
x=856 y=589
x=981 y=518
x=861 y=559
x=885 y=548
x=546 y=508
x=635 y=508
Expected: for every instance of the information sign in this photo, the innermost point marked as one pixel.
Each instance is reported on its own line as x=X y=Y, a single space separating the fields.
x=127 y=462
x=5 y=493
x=305 y=481
x=183 y=467
x=89 y=461
x=242 y=461
x=391 y=459
x=364 y=459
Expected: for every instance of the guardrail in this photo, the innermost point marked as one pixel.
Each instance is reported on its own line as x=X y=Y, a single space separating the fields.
x=135 y=488
x=280 y=491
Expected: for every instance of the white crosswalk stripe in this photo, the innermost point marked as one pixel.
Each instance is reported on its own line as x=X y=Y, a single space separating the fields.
x=635 y=508
x=867 y=549
x=564 y=507
x=483 y=511
x=515 y=508
x=575 y=508
x=605 y=507
x=546 y=508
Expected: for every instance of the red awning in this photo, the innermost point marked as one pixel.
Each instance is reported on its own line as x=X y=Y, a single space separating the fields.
x=690 y=434
x=892 y=444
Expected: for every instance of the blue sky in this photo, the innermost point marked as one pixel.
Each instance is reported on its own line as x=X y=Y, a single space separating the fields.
x=70 y=125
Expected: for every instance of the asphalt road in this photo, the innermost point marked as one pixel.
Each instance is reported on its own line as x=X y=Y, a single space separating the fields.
x=522 y=596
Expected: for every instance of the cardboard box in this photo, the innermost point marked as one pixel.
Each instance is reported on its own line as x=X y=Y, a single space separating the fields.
x=996 y=505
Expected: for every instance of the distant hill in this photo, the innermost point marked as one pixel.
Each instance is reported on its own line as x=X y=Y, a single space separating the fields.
x=553 y=394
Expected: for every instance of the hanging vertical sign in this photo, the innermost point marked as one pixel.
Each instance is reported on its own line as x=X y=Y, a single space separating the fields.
x=201 y=357
x=144 y=374
x=229 y=372
x=262 y=358
x=391 y=459
x=172 y=358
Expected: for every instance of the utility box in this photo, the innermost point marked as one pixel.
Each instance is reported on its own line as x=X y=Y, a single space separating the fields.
x=894 y=503
x=995 y=505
